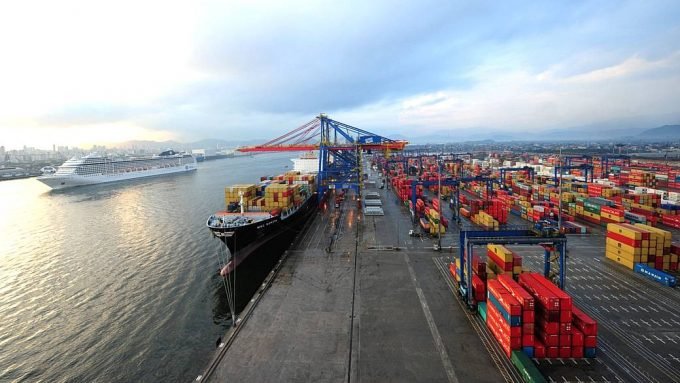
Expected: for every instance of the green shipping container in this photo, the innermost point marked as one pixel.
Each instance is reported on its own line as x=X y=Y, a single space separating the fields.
x=591 y=207
x=481 y=309
x=526 y=368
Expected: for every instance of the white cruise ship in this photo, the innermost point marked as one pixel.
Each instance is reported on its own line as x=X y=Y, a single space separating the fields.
x=95 y=169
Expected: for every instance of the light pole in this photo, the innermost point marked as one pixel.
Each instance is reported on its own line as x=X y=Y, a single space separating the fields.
x=559 y=193
x=439 y=203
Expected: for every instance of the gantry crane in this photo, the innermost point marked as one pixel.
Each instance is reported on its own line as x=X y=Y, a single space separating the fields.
x=339 y=145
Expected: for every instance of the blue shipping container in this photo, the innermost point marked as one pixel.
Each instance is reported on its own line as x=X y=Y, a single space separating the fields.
x=656 y=275
x=513 y=320
x=590 y=352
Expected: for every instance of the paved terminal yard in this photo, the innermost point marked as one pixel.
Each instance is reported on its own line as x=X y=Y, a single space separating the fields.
x=357 y=299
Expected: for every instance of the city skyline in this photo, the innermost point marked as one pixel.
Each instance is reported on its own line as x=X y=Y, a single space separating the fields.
x=78 y=73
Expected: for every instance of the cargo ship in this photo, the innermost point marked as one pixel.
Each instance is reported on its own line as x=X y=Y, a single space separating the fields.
x=94 y=168
x=266 y=214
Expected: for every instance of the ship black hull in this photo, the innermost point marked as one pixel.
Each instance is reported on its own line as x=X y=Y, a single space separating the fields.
x=245 y=240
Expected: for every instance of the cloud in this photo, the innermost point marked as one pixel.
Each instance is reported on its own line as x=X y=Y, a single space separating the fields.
x=520 y=100
x=240 y=68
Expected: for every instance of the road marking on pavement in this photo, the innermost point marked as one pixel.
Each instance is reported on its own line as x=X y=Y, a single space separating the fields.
x=448 y=367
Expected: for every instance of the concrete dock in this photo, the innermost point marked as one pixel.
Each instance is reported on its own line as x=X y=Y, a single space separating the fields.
x=358 y=300
x=361 y=312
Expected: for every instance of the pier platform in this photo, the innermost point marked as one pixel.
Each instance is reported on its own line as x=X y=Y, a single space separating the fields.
x=357 y=300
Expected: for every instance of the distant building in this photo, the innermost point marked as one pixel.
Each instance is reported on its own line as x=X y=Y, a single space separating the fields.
x=204 y=152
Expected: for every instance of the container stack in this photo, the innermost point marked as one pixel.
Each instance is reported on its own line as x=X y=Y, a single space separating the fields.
x=662 y=251
x=433 y=217
x=528 y=312
x=499 y=210
x=278 y=196
x=612 y=215
x=639 y=177
x=232 y=194
x=503 y=260
x=479 y=279
x=504 y=317
x=559 y=325
x=629 y=245
x=584 y=333
x=485 y=220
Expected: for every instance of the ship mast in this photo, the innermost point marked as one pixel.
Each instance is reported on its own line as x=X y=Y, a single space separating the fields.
x=240 y=194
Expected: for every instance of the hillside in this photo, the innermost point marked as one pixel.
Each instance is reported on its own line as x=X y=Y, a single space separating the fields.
x=666 y=132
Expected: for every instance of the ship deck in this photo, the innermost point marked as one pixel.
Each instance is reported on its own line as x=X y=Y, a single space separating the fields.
x=346 y=305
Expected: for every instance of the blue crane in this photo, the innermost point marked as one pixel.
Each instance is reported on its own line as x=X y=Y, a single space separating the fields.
x=585 y=167
x=530 y=171
x=469 y=239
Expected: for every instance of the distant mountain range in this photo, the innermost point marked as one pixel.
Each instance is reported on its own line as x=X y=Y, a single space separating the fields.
x=601 y=132
x=671 y=132
x=584 y=133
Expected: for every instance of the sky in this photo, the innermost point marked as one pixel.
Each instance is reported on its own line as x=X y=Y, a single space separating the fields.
x=82 y=72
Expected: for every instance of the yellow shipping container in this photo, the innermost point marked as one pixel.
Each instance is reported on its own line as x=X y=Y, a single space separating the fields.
x=620 y=260
x=626 y=232
x=626 y=255
x=666 y=235
x=501 y=251
x=626 y=248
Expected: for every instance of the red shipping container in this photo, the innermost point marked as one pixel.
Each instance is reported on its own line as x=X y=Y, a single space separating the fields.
x=577 y=352
x=565 y=317
x=516 y=342
x=539 y=350
x=577 y=338
x=565 y=299
x=528 y=340
x=565 y=352
x=452 y=270
x=623 y=239
x=517 y=291
x=549 y=340
x=566 y=328
x=516 y=260
x=478 y=288
x=499 y=321
x=565 y=340
x=505 y=266
x=528 y=316
x=507 y=301
x=590 y=341
x=552 y=328
x=547 y=299
x=528 y=328
x=552 y=352
x=583 y=322
x=547 y=316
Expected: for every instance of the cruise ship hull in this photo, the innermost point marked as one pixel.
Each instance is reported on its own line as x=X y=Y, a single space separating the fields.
x=245 y=240
x=72 y=180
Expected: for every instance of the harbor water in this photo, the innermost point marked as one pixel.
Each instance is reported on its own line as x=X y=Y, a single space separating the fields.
x=116 y=282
